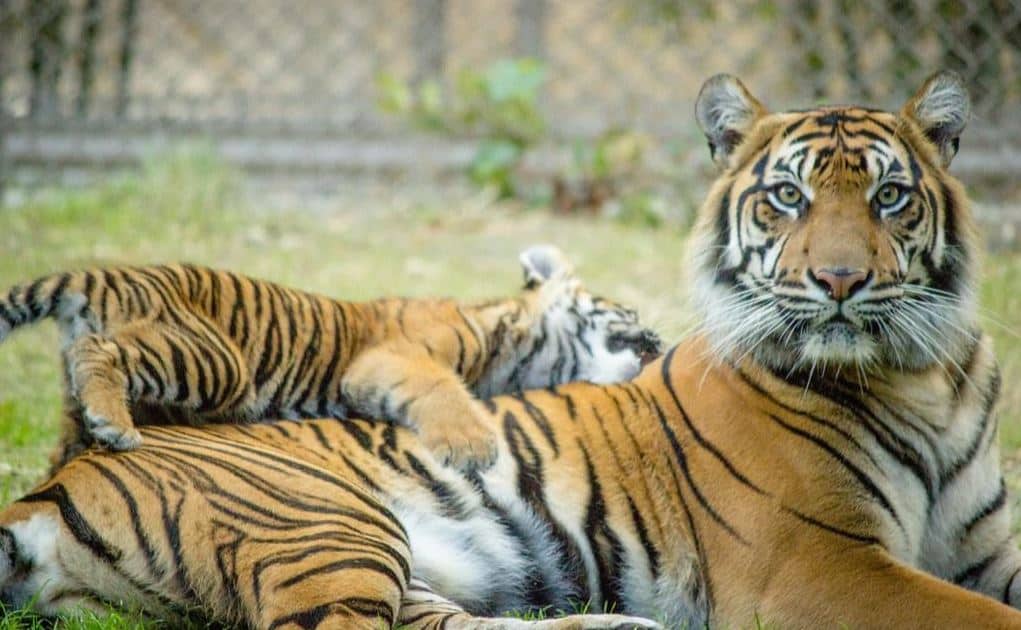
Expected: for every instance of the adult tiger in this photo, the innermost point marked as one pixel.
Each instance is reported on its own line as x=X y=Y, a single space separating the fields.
x=179 y=344
x=829 y=469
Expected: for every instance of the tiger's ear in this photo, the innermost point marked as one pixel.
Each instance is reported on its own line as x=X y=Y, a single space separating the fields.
x=726 y=111
x=542 y=262
x=941 y=109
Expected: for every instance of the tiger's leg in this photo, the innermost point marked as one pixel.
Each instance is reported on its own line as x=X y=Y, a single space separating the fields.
x=998 y=575
x=403 y=384
x=190 y=365
x=422 y=609
x=863 y=586
x=987 y=558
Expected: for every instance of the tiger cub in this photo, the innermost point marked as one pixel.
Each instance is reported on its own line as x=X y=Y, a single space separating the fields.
x=180 y=344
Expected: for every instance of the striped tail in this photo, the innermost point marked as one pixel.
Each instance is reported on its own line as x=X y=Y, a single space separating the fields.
x=28 y=303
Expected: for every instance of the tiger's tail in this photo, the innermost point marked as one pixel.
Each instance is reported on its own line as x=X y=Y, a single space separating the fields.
x=61 y=294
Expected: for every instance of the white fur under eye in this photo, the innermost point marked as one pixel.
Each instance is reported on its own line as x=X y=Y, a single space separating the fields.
x=774 y=200
x=896 y=207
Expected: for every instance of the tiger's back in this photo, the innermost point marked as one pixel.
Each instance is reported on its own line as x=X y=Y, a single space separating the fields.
x=279 y=335
x=259 y=523
x=629 y=498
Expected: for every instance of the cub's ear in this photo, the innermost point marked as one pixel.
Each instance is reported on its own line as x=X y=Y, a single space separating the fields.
x=726 y=111
x=542 y=262
x=941 y=109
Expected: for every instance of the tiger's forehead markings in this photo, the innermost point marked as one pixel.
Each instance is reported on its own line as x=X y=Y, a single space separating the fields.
x=845 y=146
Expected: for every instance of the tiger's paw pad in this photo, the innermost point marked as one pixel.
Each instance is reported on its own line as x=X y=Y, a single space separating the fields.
x=465 y=445
x=112 y=435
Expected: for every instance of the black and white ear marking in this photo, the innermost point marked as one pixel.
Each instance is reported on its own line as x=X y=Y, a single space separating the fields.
x=725 y=110
x=941 y=108
x=542 y=262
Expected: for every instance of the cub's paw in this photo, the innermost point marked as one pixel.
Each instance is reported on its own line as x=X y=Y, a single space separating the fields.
x=117 y=436
x=466 y=441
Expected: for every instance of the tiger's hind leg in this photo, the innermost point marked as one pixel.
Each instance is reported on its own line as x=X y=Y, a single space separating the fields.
x=423 y=609
x=190 y=365
x=196 y=521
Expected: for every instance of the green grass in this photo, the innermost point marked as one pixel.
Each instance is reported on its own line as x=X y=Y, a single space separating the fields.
x=368 y=242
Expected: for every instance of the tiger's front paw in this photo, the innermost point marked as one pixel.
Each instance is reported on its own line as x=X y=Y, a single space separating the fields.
x=464 y=439
x=112 y=429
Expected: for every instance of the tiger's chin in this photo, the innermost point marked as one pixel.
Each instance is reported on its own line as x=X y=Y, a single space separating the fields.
x=838 y=344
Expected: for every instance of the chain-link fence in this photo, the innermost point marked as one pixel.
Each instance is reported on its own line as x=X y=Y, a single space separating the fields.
x=89 y=83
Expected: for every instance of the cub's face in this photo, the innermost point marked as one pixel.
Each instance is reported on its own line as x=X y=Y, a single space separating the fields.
x=612 y=344
x=835 y=236
x=568 y=334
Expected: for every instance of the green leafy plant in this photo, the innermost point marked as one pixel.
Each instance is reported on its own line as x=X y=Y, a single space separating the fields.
x=499 y=105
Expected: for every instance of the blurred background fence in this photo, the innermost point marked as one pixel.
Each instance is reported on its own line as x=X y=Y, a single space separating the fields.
x=293 y=88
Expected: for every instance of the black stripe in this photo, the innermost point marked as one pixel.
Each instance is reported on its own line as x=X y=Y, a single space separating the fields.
x=703 y=561
x=342 y=565
x=682 y=462
x=862 y=538
x=603 y=542
x=214 y=442
x=331 y=368
x=311 y=358
x=1005 y=598
x=215 y=293
x=817 y=419
x=702 y=441
x=237 y=314
x=58 y=293
x=889 y=440
x=114 y=286
x=450 y=502
x=320 y=436
x=271 y=340
x=540 y=419
x=146 y=355
x=79 y=526
x=310 y=619
x=292 y=556
x=858 y=474
x=532 y=490
x=651 y=552
x=180 y=376
x=361 y=436
x=975 y=571
x=994 y=505
x=988 y=402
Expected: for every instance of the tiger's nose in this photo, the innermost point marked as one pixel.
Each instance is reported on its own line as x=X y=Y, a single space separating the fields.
x=840 y=282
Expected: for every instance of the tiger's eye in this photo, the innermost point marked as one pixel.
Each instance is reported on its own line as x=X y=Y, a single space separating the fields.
x=788 y=194
x=888 y=195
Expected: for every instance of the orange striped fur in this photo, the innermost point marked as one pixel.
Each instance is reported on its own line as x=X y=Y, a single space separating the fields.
x=823 y=474
x=179 y=344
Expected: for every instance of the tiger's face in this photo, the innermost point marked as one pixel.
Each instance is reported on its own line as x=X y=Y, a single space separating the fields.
x=835 y=236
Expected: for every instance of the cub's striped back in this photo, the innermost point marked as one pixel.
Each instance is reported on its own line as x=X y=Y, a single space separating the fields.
x=183 y=344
